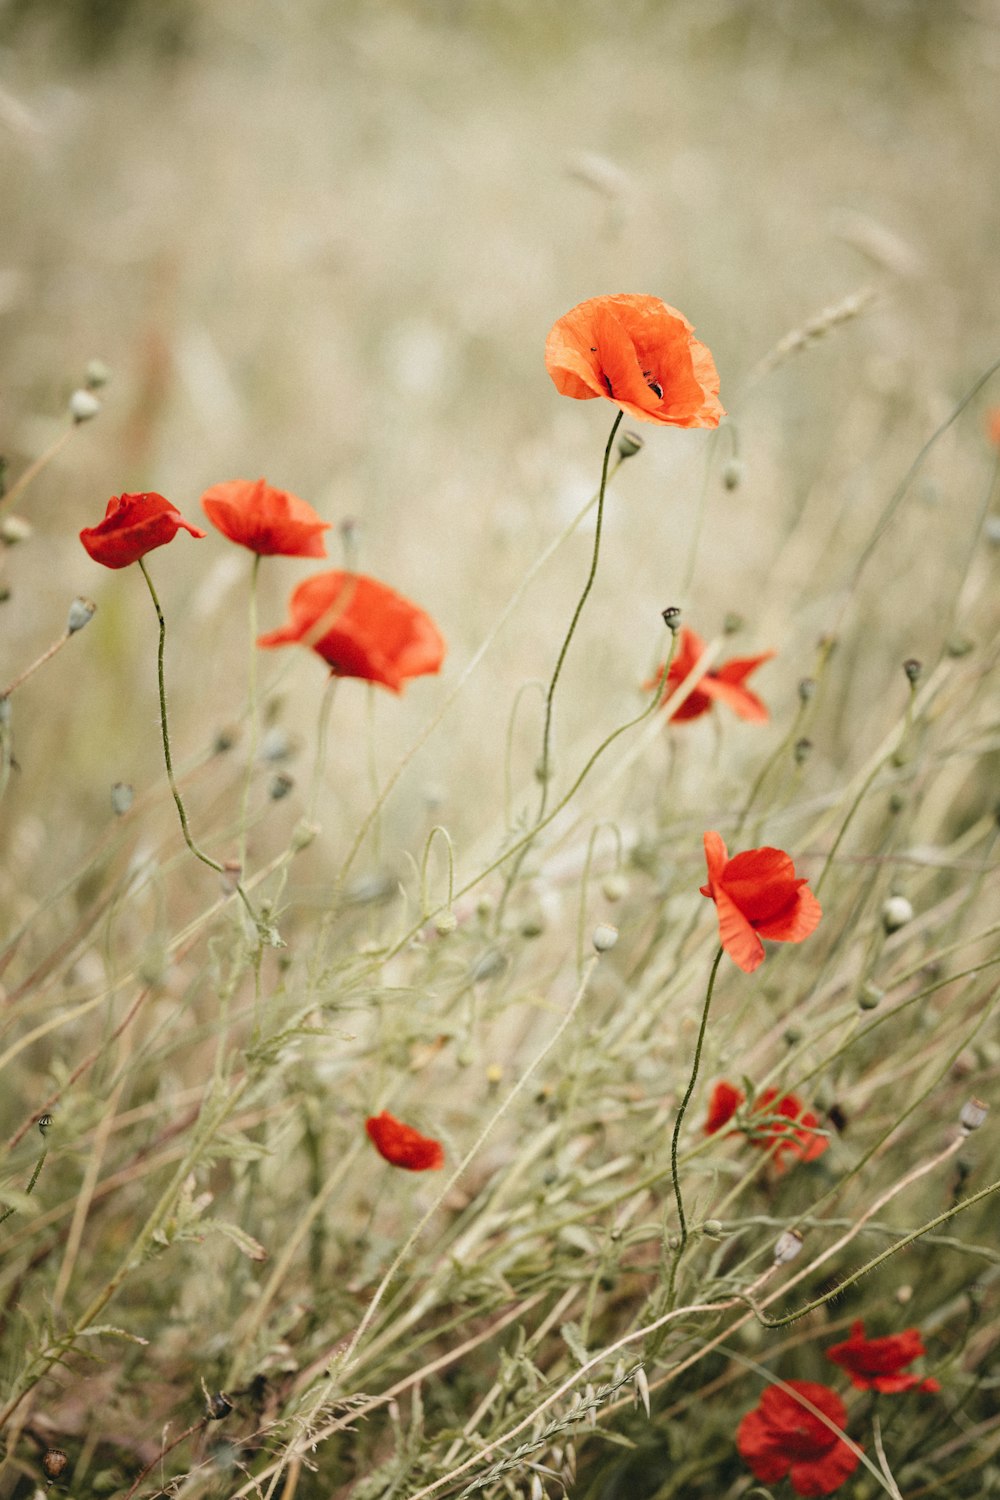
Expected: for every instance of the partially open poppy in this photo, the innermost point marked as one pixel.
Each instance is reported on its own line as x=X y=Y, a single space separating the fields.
x=724 y=684
x=361 y=628
x=270 y=522
x=403 y=1146
x=876 y=1364
x=757 y=895
x=786 y=1126
x=639 y=353
x=133 y=525
x=782 y=1437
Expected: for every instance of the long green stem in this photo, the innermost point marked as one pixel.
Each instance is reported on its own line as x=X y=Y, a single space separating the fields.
x=206 y=859
x=682 y=1111
x=252 y=708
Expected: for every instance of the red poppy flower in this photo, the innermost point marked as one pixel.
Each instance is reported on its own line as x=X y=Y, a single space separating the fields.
x=639 y=353
x=781 y=1436
x=721 y=685
x=402 y=1145
x=270 y=522
x=757 y=896
x=798 y=1138
x=133 y=525
x=875 y=1364
x=361 y=628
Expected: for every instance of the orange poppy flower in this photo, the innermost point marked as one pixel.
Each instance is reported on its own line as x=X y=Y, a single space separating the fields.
x=133 y=525
x=877 y=1364
x=723 y=684
x=798 y=1138
x=270 y=522
x=639 y=353
x=403 y=1146
x=361 y=628
x=757 y=895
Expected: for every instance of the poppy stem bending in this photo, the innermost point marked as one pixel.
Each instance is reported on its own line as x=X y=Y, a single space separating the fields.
x=682 y=1111
x=206 y=859
x=543 y=767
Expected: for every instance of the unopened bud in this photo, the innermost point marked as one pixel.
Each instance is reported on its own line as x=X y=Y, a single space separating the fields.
x=122 y=797
x=604 y=937
x=973 y=1114
x=896 y=912
x=97 y=374
x=81 y=612
x=807 y=689
x=494 y=1075
x=870 y=997
x=629 y=444
x=544 y=770
x=280 y=786
x=303 y=834
x=14 y=529
x=445 y=923
x=83 y=405
x=787 y=1246
x=732 y=623
x=614 y=887
x=802 y=750
x=712 y=1229
x=913 y=670
x=672 y=618
x=732 y=474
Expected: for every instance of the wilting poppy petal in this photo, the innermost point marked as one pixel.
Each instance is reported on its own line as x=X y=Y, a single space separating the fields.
x=639 y=353
x=361 y=628
x=757 y=894
x=270 y=522
x=403 y=1146
x=134 y=525
x=783 y=1437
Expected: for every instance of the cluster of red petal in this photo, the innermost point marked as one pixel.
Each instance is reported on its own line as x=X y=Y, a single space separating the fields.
x=797 y=1138
x=361 y=628
x=783 y=1437
x=133 y=525
x=403 y=1146
x=724 y=684
x=757 y=895
x=639 y=353
x=270 y=522
x=876 y=1364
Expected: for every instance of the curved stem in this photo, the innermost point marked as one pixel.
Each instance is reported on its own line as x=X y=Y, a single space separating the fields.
x=682 y=1111
x=206 y=859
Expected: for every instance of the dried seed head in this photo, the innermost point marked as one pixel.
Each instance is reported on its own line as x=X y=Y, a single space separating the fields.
x=83 y=405
x=629 y=444
x=672 y=618
x=973 y=1114
x=787 y=1246
x=44 y=1124
x=122 y=797
x=81 y=612
x=54 y=1461
x=913 y=670
x=896 y=912
x=604 y=937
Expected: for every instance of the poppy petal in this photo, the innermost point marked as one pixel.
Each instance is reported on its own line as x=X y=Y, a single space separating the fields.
x=736 y=935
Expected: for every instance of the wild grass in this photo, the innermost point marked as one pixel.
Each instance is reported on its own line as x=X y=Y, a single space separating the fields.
x=211 y=1284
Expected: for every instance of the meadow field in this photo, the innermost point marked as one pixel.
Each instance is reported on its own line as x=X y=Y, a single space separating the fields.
x=398 y=1098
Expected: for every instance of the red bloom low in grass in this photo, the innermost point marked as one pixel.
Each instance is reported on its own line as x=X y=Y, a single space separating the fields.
x=757 y=895
x=783 y=1437
x=725 y=684
x=877 y=1364
x=795 y=1132
x=639 y=353
x=361 y=628
x=133 y=525
x=270 y=522
x=403 y=1146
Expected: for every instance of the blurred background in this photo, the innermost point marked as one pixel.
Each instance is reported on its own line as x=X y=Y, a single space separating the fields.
x=324 y=243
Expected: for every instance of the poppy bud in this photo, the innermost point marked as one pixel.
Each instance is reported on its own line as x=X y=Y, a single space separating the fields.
x=280 y=786
x=802 y=751
x=81 y=612
x=533 y=925
x=445 y=923
x=672 y=618
x=97 y=374
x=604 y=937
x=494 y=1074
x=712 y=1229
x=973 y=1114
x=732 y=474
x=14 y=529
x=54 y=1460
x=870 y=997
x=122 y=797
x=896 y=912
x=913 y=669
x=959 y=645
x=807 y=689
x=83 y=405
x=544 y=770
x=614 y=887
x=303 y=834
x=787 y=1246
x=629 y=444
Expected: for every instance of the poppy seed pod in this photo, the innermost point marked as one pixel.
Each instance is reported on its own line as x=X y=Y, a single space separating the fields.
x=974 y=1113
x=787 y=1246
x=913 y=670
x=122 y=797
x=83 y=405
x=896 y=912
x=14 y=529
x=97 y=374
x=54 y=1461
x=629 y=444
x=81 y=612
x=604 y=937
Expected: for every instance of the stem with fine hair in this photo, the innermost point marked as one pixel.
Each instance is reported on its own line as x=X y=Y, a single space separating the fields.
x=206 y=859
